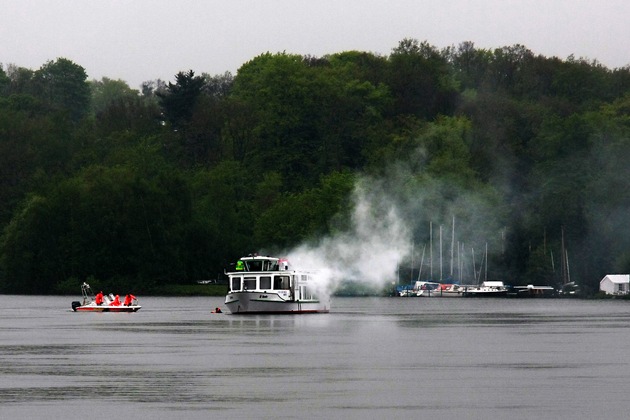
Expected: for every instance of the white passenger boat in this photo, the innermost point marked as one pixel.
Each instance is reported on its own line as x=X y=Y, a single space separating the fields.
x=106 y=303
x=267 y=285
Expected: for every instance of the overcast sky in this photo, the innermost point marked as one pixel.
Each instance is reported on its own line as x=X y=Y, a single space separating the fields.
x=139 y=40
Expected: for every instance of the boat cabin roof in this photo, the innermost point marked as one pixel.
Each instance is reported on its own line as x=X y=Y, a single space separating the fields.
x=532 y=287
x=258 y=263
x=259 y=257
x=492 y=283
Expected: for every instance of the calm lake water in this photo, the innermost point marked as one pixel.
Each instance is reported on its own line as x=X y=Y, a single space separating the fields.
x=381 y=358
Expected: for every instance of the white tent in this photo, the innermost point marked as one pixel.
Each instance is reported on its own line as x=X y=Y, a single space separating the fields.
x=615 y=284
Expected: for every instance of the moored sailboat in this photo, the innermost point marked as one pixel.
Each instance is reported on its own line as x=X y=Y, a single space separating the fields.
x=487 y=289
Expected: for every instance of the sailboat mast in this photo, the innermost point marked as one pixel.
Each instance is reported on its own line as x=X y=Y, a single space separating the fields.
x=452 y=245
x=441 y=265
x=474 y=265
x=421 y=262
x=568 y=272
x=459 y=262
x=563 y=254
x=486 y=275
x=411 y=275
x=431 y=249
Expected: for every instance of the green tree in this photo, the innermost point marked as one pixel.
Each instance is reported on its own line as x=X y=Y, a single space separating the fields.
x=352 y=124
x=179 y=99
x=506 y=66
x=218 y=86
x=310 y=119
x=238 y=133
x=583 y=82
x=307 y=215
x=24 y=246
x=5 y=82
x=470 y=64
x=32 y=140
x=173 y=184
x=223 y=217
x=122 y=222
x=63 y=84
x=20 y=80
x=284 y=93
x=127 y=114
x=203 y=142
x=360 y=66
x=106 y=91
x=421 y=80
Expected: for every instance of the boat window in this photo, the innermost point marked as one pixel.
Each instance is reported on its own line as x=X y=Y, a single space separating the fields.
x=306 y=293
x=265 y=283
x=249 y=283
x=236 y=283
x=254 y=265
x=281 y=282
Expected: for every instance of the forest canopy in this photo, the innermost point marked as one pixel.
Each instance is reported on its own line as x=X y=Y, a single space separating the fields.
x=502 y=150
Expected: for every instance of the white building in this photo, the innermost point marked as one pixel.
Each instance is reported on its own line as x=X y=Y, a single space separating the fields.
x=615 y=284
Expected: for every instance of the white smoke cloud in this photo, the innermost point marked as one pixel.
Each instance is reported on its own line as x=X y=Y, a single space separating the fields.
x=369 y=252
x=391 y=220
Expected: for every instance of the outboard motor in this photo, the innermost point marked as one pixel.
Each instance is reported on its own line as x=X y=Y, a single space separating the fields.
x=75 y=305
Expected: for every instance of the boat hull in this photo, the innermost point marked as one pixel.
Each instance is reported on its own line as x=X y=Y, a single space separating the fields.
x=449 y=294
x=488 y=294
x=103 y=308
x=271 y=303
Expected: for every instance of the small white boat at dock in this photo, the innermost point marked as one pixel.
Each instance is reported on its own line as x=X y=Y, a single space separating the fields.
x=487 y=289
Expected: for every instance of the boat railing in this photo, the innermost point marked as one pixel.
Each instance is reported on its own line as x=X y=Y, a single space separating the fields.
x=88 y=295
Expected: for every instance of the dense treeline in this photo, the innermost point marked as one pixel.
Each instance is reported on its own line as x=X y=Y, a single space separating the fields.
x=170 y=183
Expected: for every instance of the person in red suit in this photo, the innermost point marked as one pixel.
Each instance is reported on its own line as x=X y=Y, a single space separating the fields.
x=129 y=299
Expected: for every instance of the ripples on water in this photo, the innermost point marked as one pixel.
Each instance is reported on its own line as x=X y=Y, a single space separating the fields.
x=368 y=358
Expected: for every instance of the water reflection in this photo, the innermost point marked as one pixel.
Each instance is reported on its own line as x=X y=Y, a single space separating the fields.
x=450 y=358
